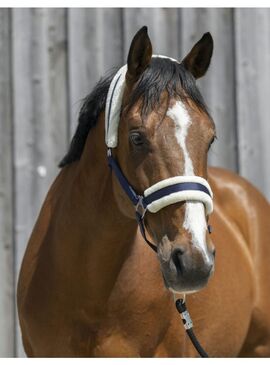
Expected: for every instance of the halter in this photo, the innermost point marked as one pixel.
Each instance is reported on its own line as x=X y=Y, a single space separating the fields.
x=165 y=192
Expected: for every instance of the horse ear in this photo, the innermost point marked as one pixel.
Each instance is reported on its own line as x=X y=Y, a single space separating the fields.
x=198 y=59
x=139 y=56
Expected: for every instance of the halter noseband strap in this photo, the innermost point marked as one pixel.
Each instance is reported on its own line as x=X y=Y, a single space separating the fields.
x=166 y=192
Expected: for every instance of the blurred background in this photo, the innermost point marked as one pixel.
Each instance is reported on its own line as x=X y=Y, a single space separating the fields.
x=51 y=58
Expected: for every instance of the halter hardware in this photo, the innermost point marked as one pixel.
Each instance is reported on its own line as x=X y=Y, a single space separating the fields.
x=140 y=207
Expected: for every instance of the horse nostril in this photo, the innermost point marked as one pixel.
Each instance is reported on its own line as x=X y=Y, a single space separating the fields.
x=177 y=259
x=214 y=252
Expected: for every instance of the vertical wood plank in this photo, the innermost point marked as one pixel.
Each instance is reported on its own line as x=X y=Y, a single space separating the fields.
x=6 y=194
x=162 y=28
x=218 y=86
x=95 y=46
x=40 y=113
x=253 y=94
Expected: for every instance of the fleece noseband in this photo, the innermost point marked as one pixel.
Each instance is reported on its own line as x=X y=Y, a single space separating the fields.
x=165 y=192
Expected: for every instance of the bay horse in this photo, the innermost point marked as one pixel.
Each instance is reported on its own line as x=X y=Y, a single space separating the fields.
x=89 y=285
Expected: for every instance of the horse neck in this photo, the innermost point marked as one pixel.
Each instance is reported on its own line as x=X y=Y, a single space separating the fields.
x=99 y=235
x=96 y=190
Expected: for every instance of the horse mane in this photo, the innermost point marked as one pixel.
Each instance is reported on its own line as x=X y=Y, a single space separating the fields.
x=162 y=75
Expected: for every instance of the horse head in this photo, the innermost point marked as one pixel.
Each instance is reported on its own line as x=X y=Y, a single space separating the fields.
x=165 y=131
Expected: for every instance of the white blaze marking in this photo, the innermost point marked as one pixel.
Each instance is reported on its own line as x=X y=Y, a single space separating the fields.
x=194 y=220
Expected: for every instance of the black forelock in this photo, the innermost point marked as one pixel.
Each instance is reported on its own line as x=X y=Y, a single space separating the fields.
x=162 y=75
x=166 y=75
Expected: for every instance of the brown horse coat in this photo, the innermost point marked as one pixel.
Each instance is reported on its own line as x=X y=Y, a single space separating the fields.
x=90 y=286
x=134 y=314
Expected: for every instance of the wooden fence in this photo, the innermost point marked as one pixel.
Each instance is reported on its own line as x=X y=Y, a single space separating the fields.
x=51 y=58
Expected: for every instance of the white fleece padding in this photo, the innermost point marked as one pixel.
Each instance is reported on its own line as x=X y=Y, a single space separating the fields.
x=113 y=107
x=187 y=195
x=114 y=102
x=177 y=180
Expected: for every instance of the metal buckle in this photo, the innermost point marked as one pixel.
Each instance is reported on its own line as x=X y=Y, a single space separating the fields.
x=140 y=207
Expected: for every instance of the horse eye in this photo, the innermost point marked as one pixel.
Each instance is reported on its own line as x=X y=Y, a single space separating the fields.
x=136 y=138
x=211 y=142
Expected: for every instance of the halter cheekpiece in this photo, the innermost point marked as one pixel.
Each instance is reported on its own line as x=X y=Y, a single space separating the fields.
x=163 y=193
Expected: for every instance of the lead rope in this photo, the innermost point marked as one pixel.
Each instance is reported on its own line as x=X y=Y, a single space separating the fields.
x=184 y=350
x=188 y=325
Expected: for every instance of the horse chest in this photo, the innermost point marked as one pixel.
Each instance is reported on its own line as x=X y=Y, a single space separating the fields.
x=138 y=312
x=130 y=334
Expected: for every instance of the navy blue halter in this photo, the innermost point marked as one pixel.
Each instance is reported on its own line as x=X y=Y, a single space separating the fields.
x=141 y=202
x=167 y=190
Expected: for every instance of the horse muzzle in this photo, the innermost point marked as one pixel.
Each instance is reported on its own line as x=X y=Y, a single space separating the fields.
x=187 y=268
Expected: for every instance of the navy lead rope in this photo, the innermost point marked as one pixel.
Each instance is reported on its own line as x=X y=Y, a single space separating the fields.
x=187 y=322
x=140 y=202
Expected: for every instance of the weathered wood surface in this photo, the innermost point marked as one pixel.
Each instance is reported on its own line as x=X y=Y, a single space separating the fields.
x=95 y=46
x=252 y=67
x=6 y=193
x=40 y=113
x=50 y=59
x=162 y=27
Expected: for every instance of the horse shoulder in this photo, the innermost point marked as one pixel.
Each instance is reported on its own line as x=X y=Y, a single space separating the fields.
x=242 y=203
x=29 y=281
x=249 y=210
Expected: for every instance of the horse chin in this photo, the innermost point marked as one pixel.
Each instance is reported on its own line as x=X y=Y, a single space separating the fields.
x=181 y=286
x=184 y=292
